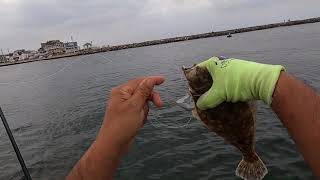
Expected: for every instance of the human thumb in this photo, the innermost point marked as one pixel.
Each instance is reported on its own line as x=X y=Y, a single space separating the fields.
x=144 y=90
x=210 y=99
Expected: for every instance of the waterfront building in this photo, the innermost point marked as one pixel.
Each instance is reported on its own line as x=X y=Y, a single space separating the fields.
x=19 y=55
x=71 y=47
x=32 y=54
x=53 y=47
x=3 y=59
x=87 y=45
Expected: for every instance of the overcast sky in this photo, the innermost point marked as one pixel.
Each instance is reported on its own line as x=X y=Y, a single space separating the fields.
x=27 y=23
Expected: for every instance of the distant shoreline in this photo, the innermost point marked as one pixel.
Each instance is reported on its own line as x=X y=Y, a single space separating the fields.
x=171 y=40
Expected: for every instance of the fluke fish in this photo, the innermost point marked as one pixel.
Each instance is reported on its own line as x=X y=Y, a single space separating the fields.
x=235 y=122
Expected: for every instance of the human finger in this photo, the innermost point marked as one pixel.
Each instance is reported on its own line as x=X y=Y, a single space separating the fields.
x=156 y=99
x=144 y=90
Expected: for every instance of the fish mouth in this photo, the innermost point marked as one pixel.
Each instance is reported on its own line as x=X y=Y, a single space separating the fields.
x=184 y=68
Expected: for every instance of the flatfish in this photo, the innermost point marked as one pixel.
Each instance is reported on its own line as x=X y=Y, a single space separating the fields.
x=235 y=122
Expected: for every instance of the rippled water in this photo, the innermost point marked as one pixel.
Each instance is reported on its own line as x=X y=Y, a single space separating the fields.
x=55 y=109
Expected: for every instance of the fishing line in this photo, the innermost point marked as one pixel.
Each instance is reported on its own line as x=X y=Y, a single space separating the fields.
x=157 y=115
x=8 y=130
x=105 y=58
x=43 y=78
x=171 y=103
x=157 y=112
x=53 y=74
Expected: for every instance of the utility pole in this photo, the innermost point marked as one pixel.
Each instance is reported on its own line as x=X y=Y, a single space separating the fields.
x=71 y=39
x=1 y=52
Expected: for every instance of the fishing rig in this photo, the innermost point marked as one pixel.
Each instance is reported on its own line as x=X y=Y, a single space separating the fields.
x=15 y=147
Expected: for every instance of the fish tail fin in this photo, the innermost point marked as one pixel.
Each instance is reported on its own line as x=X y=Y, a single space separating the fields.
x=254 y=170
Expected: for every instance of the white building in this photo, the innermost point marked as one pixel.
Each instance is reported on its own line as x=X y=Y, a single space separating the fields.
x=32 y=54
x=53 y=47
x=19 y=55
x=71 y=47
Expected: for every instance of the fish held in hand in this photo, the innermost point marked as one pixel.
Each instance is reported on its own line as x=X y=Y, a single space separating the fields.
x=235 y=122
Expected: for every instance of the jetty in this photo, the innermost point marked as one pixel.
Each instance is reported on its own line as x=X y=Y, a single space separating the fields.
x=214 y=34
x=175 y=39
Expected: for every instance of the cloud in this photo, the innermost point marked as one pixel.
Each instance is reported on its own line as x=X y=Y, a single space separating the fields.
x=27 y=23
x=171 y=7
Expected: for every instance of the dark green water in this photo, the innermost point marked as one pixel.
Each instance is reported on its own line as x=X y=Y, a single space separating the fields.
x=55 y=109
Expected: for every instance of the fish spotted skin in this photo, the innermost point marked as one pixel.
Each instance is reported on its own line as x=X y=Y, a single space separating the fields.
x=235 y=122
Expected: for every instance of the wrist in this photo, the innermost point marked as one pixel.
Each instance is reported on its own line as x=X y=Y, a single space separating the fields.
x=106 y=139
x=99 y=162
x=266 y=80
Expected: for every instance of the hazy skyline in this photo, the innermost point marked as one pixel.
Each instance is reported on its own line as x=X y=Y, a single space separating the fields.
x=27 y=23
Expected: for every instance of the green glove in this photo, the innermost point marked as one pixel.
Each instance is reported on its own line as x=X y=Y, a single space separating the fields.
x=238 y=80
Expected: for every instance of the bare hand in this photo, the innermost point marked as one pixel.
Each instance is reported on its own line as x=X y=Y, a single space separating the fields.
x=127 y=110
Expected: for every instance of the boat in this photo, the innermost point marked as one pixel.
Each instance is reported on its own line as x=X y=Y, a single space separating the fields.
x=229 y=35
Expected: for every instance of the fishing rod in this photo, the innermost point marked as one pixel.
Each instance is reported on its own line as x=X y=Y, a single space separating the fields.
x=15 y=146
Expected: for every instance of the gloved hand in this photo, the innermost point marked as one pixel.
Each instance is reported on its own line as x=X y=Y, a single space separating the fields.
x=238 y=80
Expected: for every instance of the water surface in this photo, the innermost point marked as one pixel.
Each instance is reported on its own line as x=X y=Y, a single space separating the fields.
x=55 y=109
